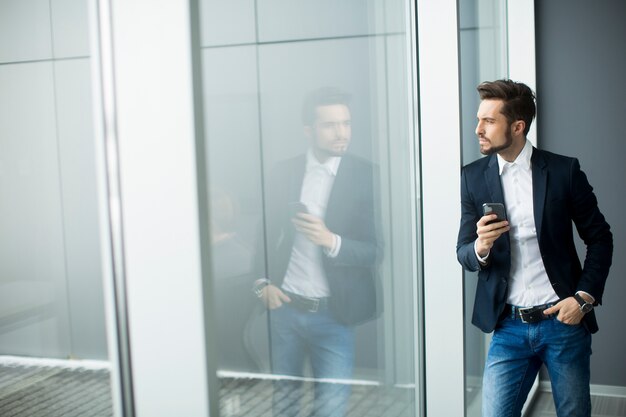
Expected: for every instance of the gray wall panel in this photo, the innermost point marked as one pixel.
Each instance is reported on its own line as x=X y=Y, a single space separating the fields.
x=32 y=264
x=468 y=14
x=24 y=30
x=581 y=62
x=232 y=121
x=303 y=19
x=395 y=15
x=80 y=208
x=227 y=22
x=70 y=30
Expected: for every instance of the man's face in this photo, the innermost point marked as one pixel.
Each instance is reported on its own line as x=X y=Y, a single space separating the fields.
x=330 y=134
x=493 y=129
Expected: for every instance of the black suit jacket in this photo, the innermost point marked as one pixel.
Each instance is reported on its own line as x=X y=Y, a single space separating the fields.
x=351 y=213
x=561 y=196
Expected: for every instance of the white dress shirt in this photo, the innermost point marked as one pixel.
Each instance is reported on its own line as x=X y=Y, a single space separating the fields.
x=305 y=272
x=528 y=281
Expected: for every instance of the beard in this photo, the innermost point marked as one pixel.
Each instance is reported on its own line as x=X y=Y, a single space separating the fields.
x=495 y=149
x=325 y=152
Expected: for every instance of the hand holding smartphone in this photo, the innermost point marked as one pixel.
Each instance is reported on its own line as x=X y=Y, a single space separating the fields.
x=494 y=208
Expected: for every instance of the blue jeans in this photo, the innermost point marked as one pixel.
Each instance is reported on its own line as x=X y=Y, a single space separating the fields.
x=517 y=352
x=329 y=345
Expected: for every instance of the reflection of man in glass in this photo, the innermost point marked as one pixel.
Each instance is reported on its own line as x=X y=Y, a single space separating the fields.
x=322 y=252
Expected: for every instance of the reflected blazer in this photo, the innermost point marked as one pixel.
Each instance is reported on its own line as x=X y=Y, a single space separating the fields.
x=562 y=196
x=351 y=214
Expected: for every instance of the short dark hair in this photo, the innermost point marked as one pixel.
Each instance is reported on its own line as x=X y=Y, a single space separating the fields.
x=324 y=96
x=519 y=99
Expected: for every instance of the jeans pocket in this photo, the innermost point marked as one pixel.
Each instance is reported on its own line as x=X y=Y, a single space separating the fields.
x=568 y=327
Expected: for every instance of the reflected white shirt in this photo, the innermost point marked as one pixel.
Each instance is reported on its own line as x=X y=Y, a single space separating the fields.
x=528 y=281
x=305 y=273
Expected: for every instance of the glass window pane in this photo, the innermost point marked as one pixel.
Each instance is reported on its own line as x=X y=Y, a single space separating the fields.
x=483 y=57
x=52 y=314
x=312 y=189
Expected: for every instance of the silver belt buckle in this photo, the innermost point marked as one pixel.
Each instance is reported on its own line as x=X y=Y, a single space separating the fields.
x=316 y=305
x=523 y=311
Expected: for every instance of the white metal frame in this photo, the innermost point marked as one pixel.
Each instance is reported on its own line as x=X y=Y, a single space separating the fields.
x=440 y=131
x=416 y=228
x=521 y=47
x=149 y=141
x=109 y=208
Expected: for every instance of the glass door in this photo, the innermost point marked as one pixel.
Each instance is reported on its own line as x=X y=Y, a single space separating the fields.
x=312 y=205
x=496 y=41
x=483 y=54
x=52 y=309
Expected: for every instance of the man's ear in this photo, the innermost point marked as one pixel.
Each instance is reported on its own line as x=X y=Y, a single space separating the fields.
x=518 y=127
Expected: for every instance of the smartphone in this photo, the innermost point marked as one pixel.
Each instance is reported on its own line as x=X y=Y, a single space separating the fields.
x=296 y=207
x=494 y=208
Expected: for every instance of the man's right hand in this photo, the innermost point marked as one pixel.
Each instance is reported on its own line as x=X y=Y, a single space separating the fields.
x=273 y=297
x=488 y=233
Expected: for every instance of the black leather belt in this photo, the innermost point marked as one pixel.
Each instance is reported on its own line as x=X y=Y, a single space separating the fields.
x=308 y=304
x=532 y=314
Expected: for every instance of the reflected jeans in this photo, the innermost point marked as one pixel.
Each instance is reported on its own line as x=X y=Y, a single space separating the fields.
x=516 y=353
x=297 y=335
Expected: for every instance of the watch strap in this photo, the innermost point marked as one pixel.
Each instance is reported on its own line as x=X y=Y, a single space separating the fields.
x=584 y=305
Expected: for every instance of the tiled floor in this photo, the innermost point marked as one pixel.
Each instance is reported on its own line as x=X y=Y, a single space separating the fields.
x=600 y=406
x=253 y=398
x=52 y=391
x=36 y=391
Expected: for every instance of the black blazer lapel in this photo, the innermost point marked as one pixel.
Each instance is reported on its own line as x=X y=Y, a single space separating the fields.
x=540 y=186
x=492 y=179
x=336 y=199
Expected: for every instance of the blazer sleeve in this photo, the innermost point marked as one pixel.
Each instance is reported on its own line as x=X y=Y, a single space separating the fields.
x=360 y=227
x=467 y=230
x=594 y=231
x=365 y=253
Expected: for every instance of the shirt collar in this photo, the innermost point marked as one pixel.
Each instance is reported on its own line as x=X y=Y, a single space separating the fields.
x=331 y=165
x=523 y=159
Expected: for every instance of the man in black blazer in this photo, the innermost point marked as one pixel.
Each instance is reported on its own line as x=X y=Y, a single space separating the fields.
x=322 y=251
x=532 y=290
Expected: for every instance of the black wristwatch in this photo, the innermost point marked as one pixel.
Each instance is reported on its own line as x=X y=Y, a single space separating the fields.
x=585 y=306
